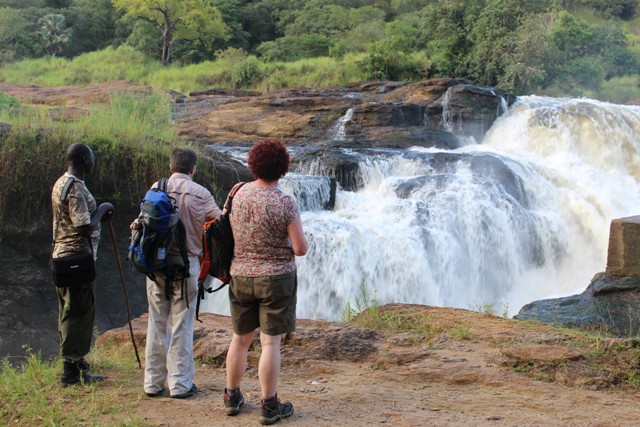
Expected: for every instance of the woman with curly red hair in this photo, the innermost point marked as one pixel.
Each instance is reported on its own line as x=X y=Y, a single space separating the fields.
x=268 y=234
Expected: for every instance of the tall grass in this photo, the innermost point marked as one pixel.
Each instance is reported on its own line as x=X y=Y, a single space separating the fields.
x=131 y=136
x=125 y=63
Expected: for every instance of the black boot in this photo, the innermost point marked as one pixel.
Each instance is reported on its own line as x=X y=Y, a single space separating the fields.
x=84 y=365
x=70 y=374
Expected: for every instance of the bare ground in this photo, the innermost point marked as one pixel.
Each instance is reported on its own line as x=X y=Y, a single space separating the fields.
x=467 y=369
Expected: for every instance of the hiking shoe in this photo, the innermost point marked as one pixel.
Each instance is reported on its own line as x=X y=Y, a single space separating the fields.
x=273 y=410
x=187 y=393
x=91 y=379
x=156 y=394
x=233 y=402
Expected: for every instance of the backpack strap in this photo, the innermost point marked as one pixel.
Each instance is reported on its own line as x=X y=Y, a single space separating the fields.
x=229 y=203
x=162 y=184
x=63 y=201
x=181 y=234
x=66 y=189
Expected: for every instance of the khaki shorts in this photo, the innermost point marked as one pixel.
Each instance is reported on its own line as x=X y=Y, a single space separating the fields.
x=268 y=303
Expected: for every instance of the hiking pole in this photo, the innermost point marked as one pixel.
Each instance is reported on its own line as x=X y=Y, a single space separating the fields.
x=124 y=288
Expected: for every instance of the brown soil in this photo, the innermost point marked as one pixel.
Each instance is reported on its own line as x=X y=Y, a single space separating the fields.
x=464 y=368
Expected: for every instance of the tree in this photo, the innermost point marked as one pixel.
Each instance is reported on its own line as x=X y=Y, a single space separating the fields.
x=93 y=23
x=52 y=33
x=195 y=20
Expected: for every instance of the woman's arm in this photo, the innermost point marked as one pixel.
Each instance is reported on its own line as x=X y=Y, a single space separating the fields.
x=298 y=240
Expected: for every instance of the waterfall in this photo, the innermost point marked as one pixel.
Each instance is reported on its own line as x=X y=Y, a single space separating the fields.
x=340 y=130
x=523 y=216
x=311 y=193
x=448 y=122
x=447 y=115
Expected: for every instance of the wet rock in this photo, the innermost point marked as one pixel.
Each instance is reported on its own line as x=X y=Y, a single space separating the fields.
x=391 y=113
x=467 y=110
x=342 y=167
x=610 y=303
x=493 y=170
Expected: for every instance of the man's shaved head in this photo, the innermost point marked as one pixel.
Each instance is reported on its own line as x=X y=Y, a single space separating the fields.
x=80 y=159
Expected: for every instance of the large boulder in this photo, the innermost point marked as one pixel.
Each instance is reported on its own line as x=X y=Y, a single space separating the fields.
x=612 y=300
x=430 y=113
x=610 y=303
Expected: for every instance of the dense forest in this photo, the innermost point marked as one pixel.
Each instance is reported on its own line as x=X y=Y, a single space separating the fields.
x=556 y=47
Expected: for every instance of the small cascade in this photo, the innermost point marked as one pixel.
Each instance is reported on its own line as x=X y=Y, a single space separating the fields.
x=311 y=193
x=340 y=129
x=447 y=115
x=450 y=122
x=502 y=107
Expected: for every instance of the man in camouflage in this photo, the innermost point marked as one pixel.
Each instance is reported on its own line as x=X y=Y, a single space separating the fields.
x=77 y=229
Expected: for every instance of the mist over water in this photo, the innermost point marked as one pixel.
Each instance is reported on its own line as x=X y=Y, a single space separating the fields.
x=522 y=216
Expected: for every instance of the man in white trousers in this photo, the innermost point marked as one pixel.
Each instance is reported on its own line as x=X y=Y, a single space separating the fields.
x=169 y=351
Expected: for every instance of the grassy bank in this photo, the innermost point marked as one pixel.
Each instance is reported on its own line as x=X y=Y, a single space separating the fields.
x=33 y=395
x=234 y=69
x=131 y=135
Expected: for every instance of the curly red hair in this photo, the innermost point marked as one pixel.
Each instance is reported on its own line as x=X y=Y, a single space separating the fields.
x=269 y=160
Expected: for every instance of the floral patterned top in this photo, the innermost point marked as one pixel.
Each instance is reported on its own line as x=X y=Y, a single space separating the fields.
x=259 y=220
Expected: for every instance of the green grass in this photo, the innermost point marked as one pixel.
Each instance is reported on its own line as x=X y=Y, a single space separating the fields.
x=123 y=63
x=234 y=69
x=33 y=396
x=132 y=137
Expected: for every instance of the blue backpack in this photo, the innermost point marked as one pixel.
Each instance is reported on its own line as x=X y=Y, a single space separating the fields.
x=161 y=229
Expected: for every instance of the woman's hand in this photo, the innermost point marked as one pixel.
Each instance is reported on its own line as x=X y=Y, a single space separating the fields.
x=298 y=240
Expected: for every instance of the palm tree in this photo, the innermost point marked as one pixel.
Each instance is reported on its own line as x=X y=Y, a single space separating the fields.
x=52 y=33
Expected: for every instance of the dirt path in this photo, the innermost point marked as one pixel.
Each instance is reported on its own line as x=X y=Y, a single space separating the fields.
x=452 y=379
x=447 y=392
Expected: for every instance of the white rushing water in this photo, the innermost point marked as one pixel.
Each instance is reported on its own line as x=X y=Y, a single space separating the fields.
x=523 y=216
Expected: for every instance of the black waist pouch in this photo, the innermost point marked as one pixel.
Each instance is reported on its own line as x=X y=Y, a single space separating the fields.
x=74 y=269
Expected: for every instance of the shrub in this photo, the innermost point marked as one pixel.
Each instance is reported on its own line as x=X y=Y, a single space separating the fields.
x=7 y=102
x=291 y=48
x=246 y=72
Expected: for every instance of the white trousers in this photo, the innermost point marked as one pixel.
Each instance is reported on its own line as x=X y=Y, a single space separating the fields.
x=169 y=350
